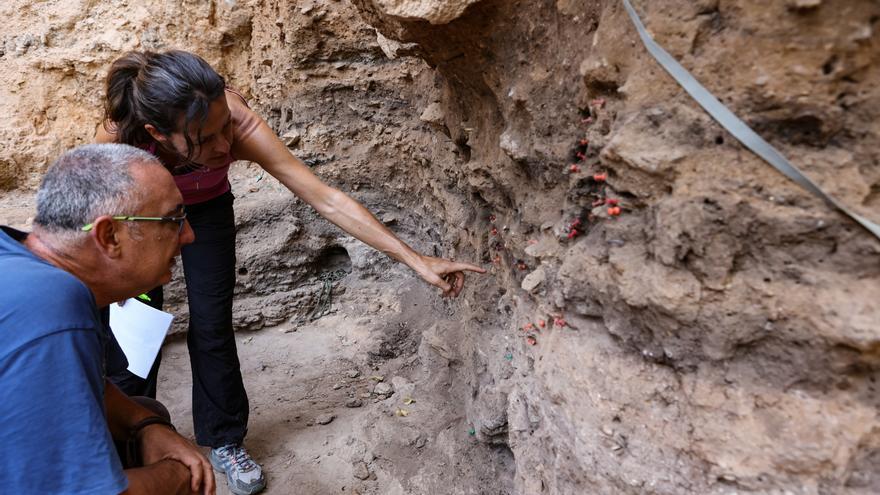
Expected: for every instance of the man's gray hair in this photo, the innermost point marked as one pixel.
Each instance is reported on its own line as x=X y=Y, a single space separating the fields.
x=87 y=182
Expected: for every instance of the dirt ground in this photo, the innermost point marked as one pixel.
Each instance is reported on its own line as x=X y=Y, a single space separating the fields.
x=321 y=422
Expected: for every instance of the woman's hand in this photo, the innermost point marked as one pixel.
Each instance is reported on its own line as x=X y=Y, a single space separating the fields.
x=256 y=142
x=446 y=274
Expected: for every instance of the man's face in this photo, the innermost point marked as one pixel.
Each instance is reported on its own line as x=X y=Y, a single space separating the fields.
x=154 y=246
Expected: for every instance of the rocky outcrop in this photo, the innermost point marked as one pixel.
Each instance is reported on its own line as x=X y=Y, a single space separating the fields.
x=720 y=333
x=55 y=56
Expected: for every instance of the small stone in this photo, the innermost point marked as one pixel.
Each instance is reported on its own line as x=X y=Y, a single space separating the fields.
x=433 y=114
x=421 y=442
x=354 y=402
x=607 y=431
x=352 y=373
x=804 y=4
x=533 y=280
x=544 y=248
x=361 y=471
x=383 y=390
x=337 y=386
x=291 y=138
x=325 y=419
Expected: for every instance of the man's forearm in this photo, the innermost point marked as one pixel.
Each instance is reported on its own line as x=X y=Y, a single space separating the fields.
x=164 y=477
x=122 y=412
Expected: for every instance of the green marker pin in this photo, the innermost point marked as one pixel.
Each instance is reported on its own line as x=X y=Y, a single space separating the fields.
x=144 y=297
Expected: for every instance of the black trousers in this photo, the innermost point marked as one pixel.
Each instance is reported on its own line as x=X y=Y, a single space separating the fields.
x=220 y=403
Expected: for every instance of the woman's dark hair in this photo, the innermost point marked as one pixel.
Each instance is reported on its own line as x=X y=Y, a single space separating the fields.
x=159 y=89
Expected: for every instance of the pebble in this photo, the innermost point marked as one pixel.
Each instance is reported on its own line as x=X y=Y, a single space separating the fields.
x=804 y=4
x=352 y=373
x=337 y=386
x=533 y=280
x=291 y=138
x=361 y=471
x=383 y=389
x=325 y=419
x=353 y=402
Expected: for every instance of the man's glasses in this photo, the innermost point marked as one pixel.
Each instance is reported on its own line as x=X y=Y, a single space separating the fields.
x=178 y=219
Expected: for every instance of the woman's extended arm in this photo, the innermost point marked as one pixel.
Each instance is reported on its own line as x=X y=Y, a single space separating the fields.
x=255 y=141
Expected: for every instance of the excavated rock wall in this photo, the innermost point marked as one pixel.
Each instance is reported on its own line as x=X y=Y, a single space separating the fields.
x=720 y=335
x=54 y=55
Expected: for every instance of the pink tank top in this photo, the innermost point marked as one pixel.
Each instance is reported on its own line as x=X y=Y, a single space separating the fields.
x=203 y=183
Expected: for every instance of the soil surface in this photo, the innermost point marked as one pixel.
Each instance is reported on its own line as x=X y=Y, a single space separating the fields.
x=356 y=401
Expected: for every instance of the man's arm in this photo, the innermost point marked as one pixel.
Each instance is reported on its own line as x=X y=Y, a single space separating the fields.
x=122 y=412
x=166 y=476
x=170 y=459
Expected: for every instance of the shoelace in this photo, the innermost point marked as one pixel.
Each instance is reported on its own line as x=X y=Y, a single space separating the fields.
x=240 y=457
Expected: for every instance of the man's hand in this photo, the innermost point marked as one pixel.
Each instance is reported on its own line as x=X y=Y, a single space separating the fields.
x=158 y=442
x=446 y=274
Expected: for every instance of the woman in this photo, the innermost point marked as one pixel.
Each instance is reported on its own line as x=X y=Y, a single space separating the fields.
x=176 y=106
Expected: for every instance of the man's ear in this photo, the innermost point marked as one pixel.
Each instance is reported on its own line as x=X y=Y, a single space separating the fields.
x=155 y=134
x=107 y=235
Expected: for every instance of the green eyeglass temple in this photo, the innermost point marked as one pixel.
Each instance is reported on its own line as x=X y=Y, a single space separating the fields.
x=179 y=220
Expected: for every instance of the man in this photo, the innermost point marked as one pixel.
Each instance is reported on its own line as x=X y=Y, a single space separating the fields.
x=109 y=226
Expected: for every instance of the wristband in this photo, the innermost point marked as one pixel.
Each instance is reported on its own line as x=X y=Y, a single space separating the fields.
x=152 y=420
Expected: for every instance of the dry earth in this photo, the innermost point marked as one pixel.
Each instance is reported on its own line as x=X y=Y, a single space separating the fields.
x=722 y=335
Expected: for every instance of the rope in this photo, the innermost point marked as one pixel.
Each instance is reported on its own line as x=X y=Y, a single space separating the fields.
x=735 y=126
x=324 y=301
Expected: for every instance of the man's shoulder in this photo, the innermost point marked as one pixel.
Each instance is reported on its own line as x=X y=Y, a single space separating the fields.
x=37 y=298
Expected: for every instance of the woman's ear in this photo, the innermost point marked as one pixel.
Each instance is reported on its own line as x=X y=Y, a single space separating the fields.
x=155 y=134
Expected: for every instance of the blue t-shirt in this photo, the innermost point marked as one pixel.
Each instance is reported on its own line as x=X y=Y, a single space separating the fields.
x=53 y=429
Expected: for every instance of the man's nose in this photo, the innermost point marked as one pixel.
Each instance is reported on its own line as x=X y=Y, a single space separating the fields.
x=187 y=236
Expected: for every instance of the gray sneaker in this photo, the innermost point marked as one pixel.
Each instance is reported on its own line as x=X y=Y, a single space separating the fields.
x=243 y=475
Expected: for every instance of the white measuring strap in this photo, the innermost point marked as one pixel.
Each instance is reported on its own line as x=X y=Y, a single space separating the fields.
x=734 y=125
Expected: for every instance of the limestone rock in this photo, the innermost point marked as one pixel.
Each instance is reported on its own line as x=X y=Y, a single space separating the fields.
x=383 y=390
x=325 y=419
x=361 y=471
x=533 y=280
x=433 y=114
x=433 y=11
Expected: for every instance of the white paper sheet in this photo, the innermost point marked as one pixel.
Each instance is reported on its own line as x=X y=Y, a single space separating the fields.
x=140 y=331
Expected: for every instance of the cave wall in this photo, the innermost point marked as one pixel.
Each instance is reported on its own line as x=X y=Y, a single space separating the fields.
x=722 y=332
x=720 y=335
x=54 y=55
